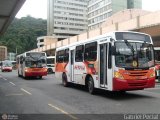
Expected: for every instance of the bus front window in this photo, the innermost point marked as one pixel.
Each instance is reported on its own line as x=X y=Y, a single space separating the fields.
x=30 y=62
x=134 y=55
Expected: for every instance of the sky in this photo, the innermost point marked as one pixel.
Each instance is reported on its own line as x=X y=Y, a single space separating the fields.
x=34 y=8
x=38 y=8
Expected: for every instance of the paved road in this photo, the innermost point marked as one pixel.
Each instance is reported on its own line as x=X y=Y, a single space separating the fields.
x=47 y=98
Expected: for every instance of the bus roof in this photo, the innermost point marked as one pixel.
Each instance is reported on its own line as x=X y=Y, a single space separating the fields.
x=29 y=52
x=98 y=38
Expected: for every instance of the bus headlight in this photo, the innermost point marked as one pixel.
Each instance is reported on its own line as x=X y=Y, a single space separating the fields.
x=118 y=75
x=152 y=75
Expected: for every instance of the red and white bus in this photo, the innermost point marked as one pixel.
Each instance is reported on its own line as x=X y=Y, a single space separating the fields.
x=157 y=61
x=32 y=64
x=116 y=61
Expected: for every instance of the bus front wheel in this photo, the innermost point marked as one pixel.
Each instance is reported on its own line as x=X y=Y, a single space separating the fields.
x=49 y=71
x=40 y=77
x=64 y=80
x=91 y=88
x=18 y=74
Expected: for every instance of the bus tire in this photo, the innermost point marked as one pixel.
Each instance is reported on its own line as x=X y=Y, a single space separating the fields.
x=64 y=80
x=122 y=92
x=18 y=74
x=49 y=71
x=91 y=88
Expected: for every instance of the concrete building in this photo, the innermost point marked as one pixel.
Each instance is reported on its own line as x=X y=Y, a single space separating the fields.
x=100 y=10
x=133 y=20
x=3 y=53
x=66 y=18
x=45 y=40
x=11 y=56
x=124 y=15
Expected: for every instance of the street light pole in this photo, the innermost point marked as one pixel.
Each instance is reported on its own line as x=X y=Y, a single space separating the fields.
x=16 y=50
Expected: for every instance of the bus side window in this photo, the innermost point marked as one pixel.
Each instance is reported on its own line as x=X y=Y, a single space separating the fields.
x=79 y=53
x=90 y=52
x=60 y=56
x=66 y=55
x=110 y=57
x=57 y=55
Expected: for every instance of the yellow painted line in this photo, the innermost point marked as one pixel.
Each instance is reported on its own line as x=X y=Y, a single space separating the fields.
x=12 y=83
x=14 y=94
x=64 y=112
x=26 y=91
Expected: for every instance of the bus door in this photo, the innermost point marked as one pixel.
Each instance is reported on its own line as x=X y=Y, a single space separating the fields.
x=72 y=65
x=103 y=65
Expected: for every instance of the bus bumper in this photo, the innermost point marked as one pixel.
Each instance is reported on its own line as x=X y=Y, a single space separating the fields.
x=126 y=85
x=34 y=74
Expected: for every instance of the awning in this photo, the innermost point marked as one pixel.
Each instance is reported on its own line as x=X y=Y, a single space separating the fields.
x=8 y=10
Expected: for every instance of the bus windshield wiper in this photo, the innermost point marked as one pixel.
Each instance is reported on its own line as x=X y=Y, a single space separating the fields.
x=133 y=51
x=129 y=46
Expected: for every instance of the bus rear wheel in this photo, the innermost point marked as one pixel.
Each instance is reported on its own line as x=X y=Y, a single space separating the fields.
x=64 y=80
x=91 y=88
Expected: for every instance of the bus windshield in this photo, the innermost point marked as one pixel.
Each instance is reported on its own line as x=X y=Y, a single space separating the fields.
x=35 y=60
x=133 y=55
x=50 y=60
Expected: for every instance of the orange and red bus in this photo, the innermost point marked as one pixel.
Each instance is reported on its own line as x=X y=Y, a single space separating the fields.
x=116 y=61
x=32 y=64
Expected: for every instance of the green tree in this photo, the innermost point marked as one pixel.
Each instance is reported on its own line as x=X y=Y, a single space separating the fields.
x=22 y=34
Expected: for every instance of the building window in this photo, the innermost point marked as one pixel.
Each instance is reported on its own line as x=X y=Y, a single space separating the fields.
x=41 y=40
x=41 y=45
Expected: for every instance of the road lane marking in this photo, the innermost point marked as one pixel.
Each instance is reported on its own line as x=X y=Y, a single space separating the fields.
x=64 y=112
x=4 y=79
x=12 y=83
x=26 y=91
x=14 y=94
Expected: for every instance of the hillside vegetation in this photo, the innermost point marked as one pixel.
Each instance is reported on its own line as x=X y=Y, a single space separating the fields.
x=22 y=34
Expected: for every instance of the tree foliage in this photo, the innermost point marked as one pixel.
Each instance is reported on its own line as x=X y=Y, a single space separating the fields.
x=22 y=34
